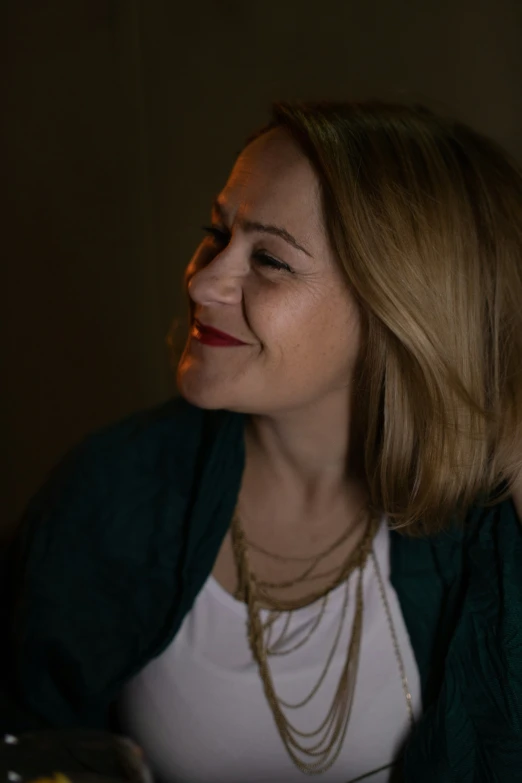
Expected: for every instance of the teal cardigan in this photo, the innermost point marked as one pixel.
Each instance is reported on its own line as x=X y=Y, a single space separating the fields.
x=115 y=547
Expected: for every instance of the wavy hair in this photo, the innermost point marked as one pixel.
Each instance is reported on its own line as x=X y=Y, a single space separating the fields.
x=425 y=217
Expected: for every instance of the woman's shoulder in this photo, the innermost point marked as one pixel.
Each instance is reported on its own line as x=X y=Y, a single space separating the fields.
x=97 y=502
x=157 y=441
x=490 y=531
x=175 y=421
x=491 y=542
x=121 y=485
x=492 y=559
x=120 y=456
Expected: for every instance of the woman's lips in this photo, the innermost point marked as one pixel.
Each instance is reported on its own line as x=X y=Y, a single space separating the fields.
x=210 y=336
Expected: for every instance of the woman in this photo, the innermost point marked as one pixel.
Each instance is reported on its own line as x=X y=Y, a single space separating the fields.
x=309 y=563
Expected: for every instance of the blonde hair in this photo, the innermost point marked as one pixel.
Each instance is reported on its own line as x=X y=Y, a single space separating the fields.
x=425 y=217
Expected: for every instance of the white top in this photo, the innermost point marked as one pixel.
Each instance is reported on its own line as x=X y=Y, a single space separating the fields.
x=200 y=713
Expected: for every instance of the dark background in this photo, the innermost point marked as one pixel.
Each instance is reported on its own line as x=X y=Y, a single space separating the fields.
x=121 y=121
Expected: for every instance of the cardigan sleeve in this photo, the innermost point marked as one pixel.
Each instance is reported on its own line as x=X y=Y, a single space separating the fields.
x=94 y=572
x=473 y=730
x=55 y=613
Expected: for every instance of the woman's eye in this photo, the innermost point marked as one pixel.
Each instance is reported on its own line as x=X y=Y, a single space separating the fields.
x=265 y=260
x=261 y=258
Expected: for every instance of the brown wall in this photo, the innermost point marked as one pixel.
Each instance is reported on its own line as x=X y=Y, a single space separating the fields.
x=122 y=120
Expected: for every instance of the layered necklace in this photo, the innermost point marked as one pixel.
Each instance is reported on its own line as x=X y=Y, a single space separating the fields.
x=319 y=754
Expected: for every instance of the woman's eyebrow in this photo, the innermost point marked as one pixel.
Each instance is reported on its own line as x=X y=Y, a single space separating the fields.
x=266 y=228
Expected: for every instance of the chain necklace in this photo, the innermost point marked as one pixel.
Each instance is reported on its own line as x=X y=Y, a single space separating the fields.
x=277 y=607
x=252 y=591
x=285 y=605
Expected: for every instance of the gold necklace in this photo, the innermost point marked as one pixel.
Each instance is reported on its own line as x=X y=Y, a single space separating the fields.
x=340 y=711
x=336 y=721
x=395 y=641
x=285 y=605
x=278 y=607
x=330 y=548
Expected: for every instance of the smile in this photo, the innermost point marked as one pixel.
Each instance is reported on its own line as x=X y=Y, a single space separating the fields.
x=207 y=335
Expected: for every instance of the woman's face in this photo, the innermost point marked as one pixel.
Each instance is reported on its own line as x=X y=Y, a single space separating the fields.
x=267 y=276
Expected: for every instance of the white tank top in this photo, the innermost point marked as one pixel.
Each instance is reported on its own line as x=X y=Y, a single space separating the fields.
x=200 y=713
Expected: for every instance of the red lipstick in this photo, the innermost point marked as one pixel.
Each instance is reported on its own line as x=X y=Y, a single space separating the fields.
x=210 y=336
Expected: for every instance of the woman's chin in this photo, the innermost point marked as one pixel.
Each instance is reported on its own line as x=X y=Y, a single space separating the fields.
x=202 y=401
x=201 y=393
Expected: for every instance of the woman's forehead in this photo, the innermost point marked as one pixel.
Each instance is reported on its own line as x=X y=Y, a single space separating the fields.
x=273 y=178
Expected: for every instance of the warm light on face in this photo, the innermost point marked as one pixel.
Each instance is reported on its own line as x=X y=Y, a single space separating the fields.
x=266 y=274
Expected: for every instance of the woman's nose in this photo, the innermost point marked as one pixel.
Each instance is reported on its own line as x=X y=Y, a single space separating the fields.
x=219 y=282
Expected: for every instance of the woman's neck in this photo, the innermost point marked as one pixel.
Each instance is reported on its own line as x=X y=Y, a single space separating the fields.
x=312 y=461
